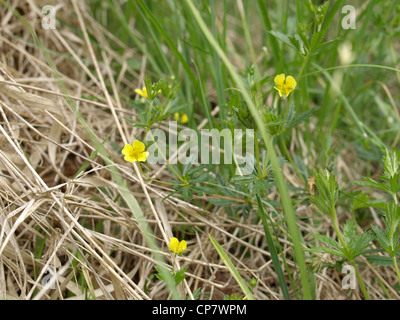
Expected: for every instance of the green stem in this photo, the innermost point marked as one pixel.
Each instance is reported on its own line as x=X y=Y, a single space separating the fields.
x=280 y=181
x=166 y=160
x=361 y=283
x=337 y=230
x=257 y=155
x=155 y=180
x=302 y=68
x=292 y=162
x=396 y=267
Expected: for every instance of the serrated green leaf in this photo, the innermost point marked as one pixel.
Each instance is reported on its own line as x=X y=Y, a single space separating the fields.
x=327 y=250
x=301 y=117
x=221 y=202
x=284 y=38
x=327 y=240
x=381 y=261
x=373 y=184
x=180 y=275
x=382 y=238
x=363 y=241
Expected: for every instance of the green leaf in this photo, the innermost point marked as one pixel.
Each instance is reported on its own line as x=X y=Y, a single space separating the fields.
x=327 y=240
x=284 y=38
x=382 y=238
x=301 y=118
x=373 y=184
x=327 y=250
x=180 y=275
x=232 y=269
x=273 y=251
x=221 y=202
x=391 y=164
x=363 y=241
x=381 y=261
x=361 y=201
x=261 y=186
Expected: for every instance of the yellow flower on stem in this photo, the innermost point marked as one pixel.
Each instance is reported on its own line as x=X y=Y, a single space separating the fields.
x=135 y=152
x=176 y=246
x=284 y=84
x=142 y=92
x=183 y=118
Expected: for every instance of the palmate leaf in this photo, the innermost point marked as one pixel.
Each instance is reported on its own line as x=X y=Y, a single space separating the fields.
x=363 y=242
x=356 y=242
x=391 y=164
x=261 y=186
x=335 y=246
x=327 y=250
x=373 y=184
x=349 y=233
x=382 y=238
x=381 y=261
x=284 y=38
x=327 y=240
x=301 y=118
x=180 y=275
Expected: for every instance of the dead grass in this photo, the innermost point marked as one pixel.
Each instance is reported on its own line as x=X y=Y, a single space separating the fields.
x=79 y=225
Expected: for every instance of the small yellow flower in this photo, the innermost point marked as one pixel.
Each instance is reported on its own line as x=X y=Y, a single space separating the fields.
x=284 y=85
x=142 y=92
x=183 y=118
x=176 y=246
x=135 y=152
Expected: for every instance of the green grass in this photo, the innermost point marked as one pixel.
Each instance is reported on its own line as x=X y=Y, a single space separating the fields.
x=342 y=120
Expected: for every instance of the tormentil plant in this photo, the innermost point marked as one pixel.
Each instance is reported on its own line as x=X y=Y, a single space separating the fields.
x=176 y=248
x=388 y=238
x=352 y=243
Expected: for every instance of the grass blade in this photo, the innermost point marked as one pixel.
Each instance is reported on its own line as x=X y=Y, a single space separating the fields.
x=232 y=269
x=283 y=191
x=273 y=251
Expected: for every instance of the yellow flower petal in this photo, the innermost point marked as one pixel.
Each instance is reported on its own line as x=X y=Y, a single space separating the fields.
x=127 y=150
x=142 y=157
x=184 y=118
x=182 y=246
x=142 y=92
x=135 y=152
x=279 y=91
x=176 y=116
x=138 y=146
x=176 y=246
x=284 y=85
x=130 y=158
x=280 y=79
x=173 y=244
x=290 y=83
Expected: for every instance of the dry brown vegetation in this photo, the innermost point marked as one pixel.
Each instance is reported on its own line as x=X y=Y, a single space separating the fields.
x=80 y=225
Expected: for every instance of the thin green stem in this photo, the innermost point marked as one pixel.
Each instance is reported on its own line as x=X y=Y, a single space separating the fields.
x=155 y=180
x=292 y=163
x=396 y=267
x=257 y=154
x=280 y=181
x=360 y=282
x=337 y=230
x=166 y=160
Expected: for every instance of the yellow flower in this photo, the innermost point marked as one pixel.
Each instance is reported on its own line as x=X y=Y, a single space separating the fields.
x=176 y=246
x=284 y=85
x=135 y=152
x=183 y=117
x=142 y=92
